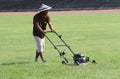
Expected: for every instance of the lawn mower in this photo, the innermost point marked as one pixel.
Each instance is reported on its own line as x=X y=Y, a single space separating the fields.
x=77 y=58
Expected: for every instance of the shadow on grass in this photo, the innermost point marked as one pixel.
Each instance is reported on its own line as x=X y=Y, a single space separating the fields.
x=15 y=63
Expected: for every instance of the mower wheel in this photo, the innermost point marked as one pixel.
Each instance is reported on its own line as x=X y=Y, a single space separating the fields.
x=94 y=61
x=63 y=62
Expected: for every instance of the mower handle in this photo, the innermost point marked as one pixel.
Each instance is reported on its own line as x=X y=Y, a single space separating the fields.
x=60 y=36
x=55 y=33
x=50 y=32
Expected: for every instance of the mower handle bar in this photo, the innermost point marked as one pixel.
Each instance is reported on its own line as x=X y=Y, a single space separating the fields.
x=60 y=36
x=49 y=31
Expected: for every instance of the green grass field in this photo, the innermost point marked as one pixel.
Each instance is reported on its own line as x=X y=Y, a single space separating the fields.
x=95 y=35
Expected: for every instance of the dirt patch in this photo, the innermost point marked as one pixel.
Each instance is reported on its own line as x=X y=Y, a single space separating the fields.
x=87 y=12
x=71 y=12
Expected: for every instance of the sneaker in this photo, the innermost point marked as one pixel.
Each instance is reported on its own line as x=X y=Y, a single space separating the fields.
x=44 y=61
x=36 y=60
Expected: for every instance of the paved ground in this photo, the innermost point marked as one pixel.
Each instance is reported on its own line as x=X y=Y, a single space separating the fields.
x=71 y=12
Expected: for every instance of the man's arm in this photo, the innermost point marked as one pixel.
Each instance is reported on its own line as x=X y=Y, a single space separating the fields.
x=51 y=27
x=37 y=25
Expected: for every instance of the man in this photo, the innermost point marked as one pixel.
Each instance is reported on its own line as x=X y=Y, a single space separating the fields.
x=40 y=21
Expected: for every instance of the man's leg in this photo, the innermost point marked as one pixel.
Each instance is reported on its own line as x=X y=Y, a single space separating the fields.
x=37 y=56
x=42 y=57
x=40 y=48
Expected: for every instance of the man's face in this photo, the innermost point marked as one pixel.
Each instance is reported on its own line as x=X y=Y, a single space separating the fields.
x=44 y=12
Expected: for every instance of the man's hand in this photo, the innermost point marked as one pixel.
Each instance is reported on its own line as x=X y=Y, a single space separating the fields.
x=44 y=31
x=53 y=30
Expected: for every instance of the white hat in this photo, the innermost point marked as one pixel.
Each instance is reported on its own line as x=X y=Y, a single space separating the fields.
x=44 y=7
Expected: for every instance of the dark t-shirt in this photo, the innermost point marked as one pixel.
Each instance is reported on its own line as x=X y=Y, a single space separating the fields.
x=38 y=18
